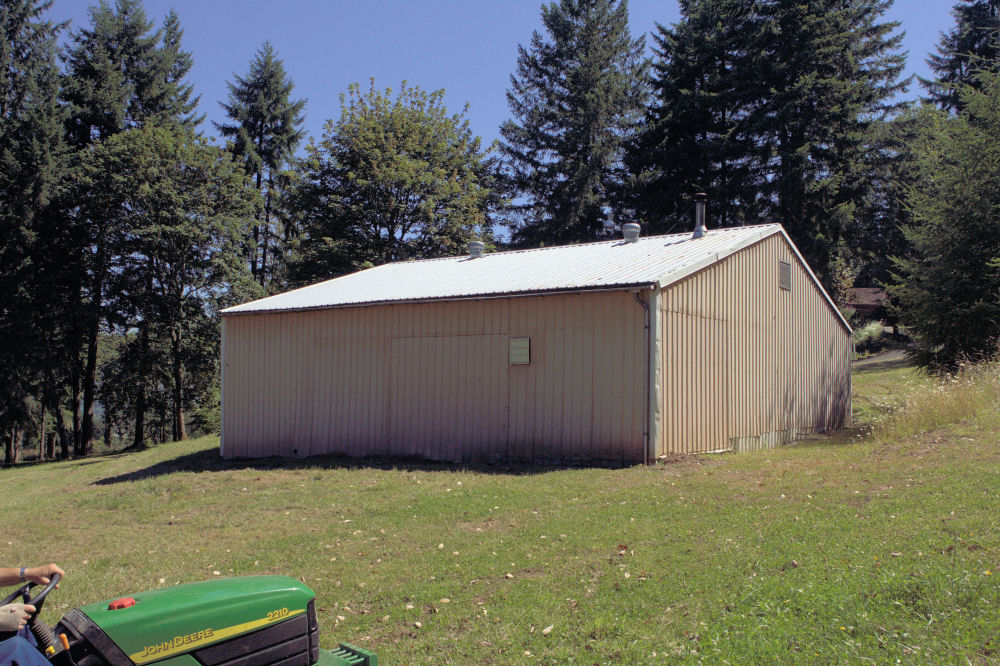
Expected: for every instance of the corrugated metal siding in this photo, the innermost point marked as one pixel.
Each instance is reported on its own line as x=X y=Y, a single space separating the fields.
x=449 y=397
x=747 y=365
x=581 y=398
x=433 y=380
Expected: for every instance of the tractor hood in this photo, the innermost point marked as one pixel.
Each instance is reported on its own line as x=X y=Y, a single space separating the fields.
x=175 y=620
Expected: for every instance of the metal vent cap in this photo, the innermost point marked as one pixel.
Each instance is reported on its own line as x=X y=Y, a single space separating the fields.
x=630 y=231
x=699 y=215
x=476 y=249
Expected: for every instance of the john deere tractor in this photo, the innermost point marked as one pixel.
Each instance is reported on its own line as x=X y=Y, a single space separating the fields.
x=246 y=621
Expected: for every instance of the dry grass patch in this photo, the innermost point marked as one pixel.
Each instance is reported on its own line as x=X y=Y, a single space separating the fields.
x=971 y=392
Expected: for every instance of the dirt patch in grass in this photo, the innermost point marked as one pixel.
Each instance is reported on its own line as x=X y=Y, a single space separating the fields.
x=679 y=462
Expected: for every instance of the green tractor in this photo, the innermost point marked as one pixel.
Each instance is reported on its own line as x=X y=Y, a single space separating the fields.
x=246 y=621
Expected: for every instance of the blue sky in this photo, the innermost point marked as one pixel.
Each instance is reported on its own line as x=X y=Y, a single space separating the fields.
x=467 y=47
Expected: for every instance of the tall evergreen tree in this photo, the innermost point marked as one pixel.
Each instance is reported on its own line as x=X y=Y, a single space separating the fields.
x=948 y=284
x=875 y=234
x=266 y=130
x=392 y=179
x=696 y=136
x=32 y=162
x=121 y=73
x=576 y=97
x=834 y=70
x=971 y=45
x=786 y=96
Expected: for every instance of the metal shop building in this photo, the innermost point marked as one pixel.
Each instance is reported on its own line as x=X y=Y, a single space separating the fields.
x=611 y=352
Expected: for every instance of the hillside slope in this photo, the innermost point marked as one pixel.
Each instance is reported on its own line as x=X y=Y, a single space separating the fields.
x=840 y=548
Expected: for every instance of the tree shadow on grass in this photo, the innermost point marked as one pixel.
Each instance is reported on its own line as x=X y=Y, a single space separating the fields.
x=210 y=461
x=882 y=363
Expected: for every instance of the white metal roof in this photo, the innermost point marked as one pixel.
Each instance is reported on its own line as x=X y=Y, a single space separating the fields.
x=653 y=260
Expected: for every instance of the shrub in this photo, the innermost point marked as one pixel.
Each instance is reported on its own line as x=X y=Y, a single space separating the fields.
x=870 y=338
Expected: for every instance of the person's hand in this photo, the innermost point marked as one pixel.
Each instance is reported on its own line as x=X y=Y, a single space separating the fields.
x=15 y=616
x=41 y=574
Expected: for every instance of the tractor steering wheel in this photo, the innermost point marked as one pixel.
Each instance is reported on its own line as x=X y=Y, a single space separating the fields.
x=38 y=600
x=41 y=631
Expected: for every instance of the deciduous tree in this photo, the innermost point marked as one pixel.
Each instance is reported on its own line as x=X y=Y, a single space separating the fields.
x=176 y=209
x=394 y=178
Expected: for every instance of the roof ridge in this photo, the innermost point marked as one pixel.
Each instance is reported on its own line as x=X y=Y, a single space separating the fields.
x=522 y=250
x=592 y=265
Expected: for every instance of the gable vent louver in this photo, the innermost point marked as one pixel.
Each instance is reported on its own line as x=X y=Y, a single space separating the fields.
x=785 y=275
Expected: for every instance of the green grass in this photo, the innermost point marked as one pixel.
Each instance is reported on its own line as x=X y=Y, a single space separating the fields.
x=838 y=549
x=881 y=385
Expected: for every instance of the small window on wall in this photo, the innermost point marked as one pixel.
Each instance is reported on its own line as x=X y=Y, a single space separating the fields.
x=520 y=351
x=785 y=275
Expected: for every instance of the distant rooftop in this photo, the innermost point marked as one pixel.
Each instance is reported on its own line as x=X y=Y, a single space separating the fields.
x=866 y=296
x=613 y=264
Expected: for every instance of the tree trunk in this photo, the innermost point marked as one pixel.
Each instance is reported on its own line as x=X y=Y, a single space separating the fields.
x=89 y=380
x=107 y=431
x=8 y=453
x=61 y=427
x=12 y=454
x=139 y=440
x=179 y=431
x=41 y=428
x=50 y=445
x=163 y=421
x=74 y=406
x=267 y=232
x=256 y=238
x=177 y=374
x=90 y=373
x=75 y=343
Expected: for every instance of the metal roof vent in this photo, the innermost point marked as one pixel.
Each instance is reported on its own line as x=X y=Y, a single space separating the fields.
x=476 y=249
x=699 y=215
x=630 y=232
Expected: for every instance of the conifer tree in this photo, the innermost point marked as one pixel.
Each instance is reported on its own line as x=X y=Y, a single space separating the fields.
x=834 y=70
x=32 y=163
x=695 y=138
x=971 y=45
x=121 y=73
x=774 y=110
x=266 y=130
x=576 y=97
x=948 y=284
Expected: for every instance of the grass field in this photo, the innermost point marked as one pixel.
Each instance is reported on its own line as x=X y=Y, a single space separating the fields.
x=848 y=548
